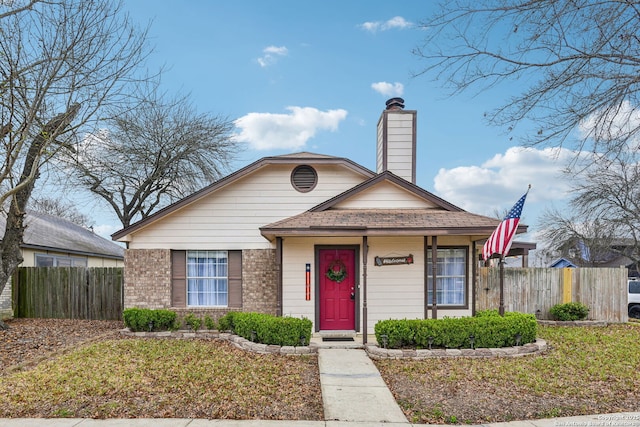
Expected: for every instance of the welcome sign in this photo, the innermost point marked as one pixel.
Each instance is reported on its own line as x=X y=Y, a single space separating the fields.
x=395 y=260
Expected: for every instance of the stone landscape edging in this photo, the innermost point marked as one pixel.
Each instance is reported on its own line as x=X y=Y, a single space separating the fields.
x=372 y=350
x=237 y=341
x=536 y=347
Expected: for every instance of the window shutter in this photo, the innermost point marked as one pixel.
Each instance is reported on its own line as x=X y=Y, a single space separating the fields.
x=178 y=278
x=235 y=279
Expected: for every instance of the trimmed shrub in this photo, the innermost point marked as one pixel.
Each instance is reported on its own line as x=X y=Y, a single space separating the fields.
x=569 y=311
x=148 y=320
x=192 y=321
x=488 y=328
x=209 y=323
x=227 y=322
x=268 y=329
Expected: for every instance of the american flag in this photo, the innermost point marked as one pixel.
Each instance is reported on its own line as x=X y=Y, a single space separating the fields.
x=502 y=237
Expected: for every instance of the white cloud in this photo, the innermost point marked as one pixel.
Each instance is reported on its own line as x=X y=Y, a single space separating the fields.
x=613 y=123
x=266 y=131
x=397 y=22
x=388 y=89
x=502 y=179
x=271 y=55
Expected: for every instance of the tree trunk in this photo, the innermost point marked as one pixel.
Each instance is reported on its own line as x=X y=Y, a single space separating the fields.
x=10 y=247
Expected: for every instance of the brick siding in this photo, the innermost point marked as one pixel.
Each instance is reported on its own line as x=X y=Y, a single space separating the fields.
x=260 y=281
x=147 y=282
x=147 y=278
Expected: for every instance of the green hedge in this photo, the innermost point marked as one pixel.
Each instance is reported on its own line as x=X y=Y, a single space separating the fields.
x=267 y=329
x=489 y=329
x=147 y=320
x=569 y=311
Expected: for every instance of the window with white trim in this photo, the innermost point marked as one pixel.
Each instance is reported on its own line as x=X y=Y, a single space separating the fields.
x=207 y=278
x=451 y=280
x=47 y=260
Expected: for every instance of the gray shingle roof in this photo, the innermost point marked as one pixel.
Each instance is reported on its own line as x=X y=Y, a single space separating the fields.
x=383 y=222
x=50 y=232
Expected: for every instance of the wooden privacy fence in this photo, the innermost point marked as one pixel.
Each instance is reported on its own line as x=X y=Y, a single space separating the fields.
x=68 y=293
x=527 y=290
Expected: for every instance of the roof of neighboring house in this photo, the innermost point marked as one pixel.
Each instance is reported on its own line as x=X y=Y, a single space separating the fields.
x=49 y=232
x=562 y=263
x=287 y=159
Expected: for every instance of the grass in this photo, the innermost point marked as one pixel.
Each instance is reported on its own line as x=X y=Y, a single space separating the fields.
x=165 y=378
x=586 y=370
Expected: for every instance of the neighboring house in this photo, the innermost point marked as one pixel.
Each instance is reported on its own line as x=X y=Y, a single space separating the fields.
x=51 y=241
x=315 y=236
x=605 y=253
x=562 y=263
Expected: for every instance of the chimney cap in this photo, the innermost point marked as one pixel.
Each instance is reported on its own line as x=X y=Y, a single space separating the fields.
x=395 y=104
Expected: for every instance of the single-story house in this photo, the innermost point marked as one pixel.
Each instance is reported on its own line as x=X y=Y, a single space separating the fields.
x=315 y=236
x=51 y=241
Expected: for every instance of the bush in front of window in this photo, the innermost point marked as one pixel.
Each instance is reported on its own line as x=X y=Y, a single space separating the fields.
x=148 y=320
x=569 y=311
x=485 y=330
x=267 y=329
x=209 y=323
x=192 y=321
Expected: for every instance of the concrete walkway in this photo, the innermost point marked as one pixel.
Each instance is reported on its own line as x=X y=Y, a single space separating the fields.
x=353 y=389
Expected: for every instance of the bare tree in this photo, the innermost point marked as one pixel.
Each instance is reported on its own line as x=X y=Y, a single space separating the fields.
x=61 y=61
x=60 y=208
x=575 y=61
x=12 y=7
x=604 y=213
x=153 y=154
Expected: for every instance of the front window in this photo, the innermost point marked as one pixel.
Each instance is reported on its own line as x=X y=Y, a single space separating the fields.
x=207 y=281
x=451 y=281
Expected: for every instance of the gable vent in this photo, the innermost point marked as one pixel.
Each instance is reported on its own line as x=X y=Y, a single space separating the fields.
x=304 y=178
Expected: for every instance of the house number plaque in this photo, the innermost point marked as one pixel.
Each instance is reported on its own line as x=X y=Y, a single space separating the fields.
x=393 y=260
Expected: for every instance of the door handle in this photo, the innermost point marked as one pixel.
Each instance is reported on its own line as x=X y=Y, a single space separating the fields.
x=353 y=296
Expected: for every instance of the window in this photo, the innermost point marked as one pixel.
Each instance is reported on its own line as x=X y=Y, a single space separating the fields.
x=207 y=278
x=451 y=281
x=304 y=178
x=46 y=260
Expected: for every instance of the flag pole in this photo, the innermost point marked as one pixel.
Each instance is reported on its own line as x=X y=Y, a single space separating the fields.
x=501 y=308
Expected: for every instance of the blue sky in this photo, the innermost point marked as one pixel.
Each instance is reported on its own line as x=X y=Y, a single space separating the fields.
x=314 y=76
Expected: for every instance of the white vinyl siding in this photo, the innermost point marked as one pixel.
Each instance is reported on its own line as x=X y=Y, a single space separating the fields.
x=231 y=217
x=385 y=195
x=394 y=291
x=400 y=144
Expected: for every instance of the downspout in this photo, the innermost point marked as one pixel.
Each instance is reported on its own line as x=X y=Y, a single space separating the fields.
x=365 y=255
x=279 y=276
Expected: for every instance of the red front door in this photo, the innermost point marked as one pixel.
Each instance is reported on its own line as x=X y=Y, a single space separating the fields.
x=337 y=292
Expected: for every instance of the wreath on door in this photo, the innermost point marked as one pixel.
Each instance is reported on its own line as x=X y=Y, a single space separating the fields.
x=337 y=271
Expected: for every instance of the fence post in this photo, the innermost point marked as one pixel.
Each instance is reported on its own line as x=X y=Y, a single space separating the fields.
x=567 y=282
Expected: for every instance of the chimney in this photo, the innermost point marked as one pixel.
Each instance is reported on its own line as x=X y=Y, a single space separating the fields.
x=396 y=141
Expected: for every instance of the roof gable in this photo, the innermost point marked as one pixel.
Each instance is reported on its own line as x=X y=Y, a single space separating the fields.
x=365 y=195
x=302 y=158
